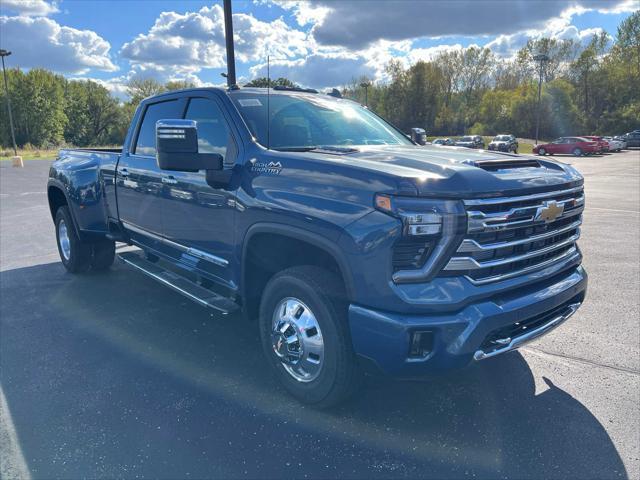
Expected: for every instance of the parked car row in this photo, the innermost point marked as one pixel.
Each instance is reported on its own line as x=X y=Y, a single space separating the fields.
x=501 y=143
x=588 y=144
x=583 y=145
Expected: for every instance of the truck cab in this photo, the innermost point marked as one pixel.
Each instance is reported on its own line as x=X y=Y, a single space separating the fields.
x=351 y=248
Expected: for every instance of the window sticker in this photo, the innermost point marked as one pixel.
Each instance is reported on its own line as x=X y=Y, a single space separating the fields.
x=249 y=102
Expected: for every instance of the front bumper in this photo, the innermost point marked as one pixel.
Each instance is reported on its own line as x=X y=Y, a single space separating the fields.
x=473 y=333
x=499 y=148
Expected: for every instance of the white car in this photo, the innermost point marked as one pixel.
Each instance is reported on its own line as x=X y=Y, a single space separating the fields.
x=614 y=145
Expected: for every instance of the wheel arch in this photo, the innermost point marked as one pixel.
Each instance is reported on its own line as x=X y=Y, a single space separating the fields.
x=57 y=197
x=295 y=246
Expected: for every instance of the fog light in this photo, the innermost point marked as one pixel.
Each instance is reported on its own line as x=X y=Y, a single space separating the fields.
x=421 y=344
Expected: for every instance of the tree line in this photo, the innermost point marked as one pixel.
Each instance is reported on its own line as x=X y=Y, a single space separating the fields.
x=587 y=89
x=590 y=89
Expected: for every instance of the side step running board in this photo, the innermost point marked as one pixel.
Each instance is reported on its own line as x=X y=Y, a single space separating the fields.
x=195 y=292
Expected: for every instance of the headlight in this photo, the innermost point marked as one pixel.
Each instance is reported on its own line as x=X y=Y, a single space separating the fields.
x=433 y=227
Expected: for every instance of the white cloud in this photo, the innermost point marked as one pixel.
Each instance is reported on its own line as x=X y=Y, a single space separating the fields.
x=42 y=42
x=318 y=70
x=306 y=12
x=428 y=54
x=196 y=40
x=356 y=24
x=30 y=8
x=626 y=6
x=506 y=46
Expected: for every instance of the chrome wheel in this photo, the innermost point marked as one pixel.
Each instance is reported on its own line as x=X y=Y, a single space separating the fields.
x=63 y=240
x=296 y=339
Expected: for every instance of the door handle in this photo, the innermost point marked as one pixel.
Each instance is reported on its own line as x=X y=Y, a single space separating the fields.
x=169 y=180
x=124 y=172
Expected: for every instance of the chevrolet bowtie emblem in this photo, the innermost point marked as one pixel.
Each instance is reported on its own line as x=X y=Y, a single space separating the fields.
x=549 y=211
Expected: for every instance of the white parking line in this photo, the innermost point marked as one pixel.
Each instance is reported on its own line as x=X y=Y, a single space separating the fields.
x=12 y=462
x=613 y=210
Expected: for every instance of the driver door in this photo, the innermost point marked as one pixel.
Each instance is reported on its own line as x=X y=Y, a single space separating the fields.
x=198 y=217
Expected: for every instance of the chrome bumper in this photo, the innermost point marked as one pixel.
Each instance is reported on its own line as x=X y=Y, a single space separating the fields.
x=514 y=343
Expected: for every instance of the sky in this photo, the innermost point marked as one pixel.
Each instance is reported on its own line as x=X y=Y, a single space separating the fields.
x=319 y=44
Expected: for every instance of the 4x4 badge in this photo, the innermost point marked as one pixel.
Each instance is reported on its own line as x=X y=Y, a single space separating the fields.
x=549 y=211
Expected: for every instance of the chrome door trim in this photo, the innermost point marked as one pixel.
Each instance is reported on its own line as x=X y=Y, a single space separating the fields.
x=188 y=250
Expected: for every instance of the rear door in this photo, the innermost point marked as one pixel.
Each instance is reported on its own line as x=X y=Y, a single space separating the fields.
x=199 y=217
x=139 y=179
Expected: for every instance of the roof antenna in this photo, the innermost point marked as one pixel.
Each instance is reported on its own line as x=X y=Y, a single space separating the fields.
x=268 y=102
x=231 y=58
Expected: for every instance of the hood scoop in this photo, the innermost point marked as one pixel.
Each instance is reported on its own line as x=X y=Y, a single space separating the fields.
x=505 y=164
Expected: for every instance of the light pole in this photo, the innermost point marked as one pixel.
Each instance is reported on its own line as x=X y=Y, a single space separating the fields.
x=366 y=86
x=16 y=159
x=541 y=58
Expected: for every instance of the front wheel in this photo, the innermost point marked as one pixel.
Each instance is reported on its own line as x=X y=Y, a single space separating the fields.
x=542 y=152
x=305 y=335
x=577 y=152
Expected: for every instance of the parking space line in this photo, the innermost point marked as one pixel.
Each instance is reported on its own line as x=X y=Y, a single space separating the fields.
x=540 y=352
x=612 y=210
x=12 y=462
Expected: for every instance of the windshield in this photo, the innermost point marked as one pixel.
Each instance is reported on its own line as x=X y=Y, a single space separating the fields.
x=466 y=139
x=305 y=121
x=502 y=138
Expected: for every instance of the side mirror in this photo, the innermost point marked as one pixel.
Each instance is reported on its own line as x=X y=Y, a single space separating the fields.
x=419 y=135
x=177 y=147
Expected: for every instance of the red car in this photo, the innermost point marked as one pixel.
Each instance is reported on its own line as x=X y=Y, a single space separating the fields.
x=570 y=145
x=602 y=143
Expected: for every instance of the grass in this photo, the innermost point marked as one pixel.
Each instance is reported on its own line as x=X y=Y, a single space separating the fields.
x=34 y=153
x=29 y=154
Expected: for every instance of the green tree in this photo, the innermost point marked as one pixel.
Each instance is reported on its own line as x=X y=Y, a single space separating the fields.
x=75 y=108
x=178 y=85
x=263 y=82
x=38 y=108
x=140 y=88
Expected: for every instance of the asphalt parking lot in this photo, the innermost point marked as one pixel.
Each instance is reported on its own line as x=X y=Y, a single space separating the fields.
x=115 y=376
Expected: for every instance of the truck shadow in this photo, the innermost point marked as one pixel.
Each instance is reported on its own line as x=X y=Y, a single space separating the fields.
x=111 y=340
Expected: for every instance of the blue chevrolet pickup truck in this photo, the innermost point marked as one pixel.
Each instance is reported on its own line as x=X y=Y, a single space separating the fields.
x=350 y=247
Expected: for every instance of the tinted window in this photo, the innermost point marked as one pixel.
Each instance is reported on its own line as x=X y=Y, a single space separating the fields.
x=309 y=120
x=146 y=144
x=213 y=134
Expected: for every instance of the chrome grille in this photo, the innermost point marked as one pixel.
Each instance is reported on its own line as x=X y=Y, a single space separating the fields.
x=508 y=237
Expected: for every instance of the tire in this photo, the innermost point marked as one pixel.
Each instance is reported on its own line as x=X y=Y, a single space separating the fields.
x=74 y=253
x=577 y=152
x=103 y=253
x=542 y=152
x=305 y=304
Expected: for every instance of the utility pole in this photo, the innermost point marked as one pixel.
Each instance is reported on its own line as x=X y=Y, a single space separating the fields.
x=17 y=161
x=541 y=58
x=228 y=34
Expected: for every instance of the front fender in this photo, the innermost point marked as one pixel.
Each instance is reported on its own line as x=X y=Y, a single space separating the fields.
x=312 y=238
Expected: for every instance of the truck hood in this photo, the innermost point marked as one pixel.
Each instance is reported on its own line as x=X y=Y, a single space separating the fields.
x=457 y=172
